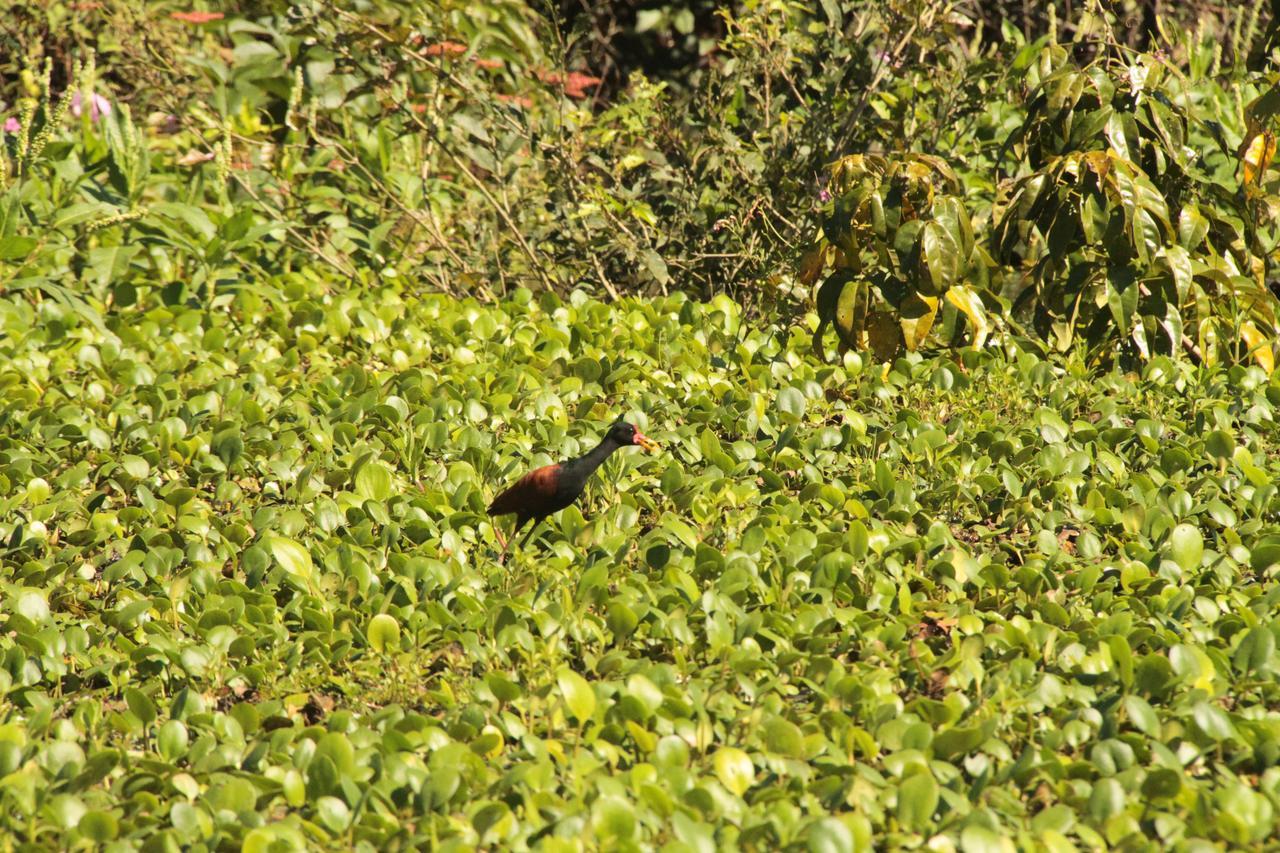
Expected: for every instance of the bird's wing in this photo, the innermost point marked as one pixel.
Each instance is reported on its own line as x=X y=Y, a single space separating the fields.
x=527 y=492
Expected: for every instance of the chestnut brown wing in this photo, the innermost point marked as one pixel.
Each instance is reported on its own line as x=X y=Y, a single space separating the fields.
x=530 y=494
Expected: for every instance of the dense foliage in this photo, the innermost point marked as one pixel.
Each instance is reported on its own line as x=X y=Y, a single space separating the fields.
x=1041 y=175
x=288 y=291
x=250 y=590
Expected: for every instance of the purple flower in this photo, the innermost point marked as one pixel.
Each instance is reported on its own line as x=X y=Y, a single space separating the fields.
x=824 y=195
x=12 y=125
x=98 y=106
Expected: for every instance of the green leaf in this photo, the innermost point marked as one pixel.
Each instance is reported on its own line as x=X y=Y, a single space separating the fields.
x=15 y=248
x=135 y=466
x=1178 y=260
x=577 y=694
x=829 y=835
x=656 y=265
x=1220 y=444
x=784 y=737
x=1213 y=721
x=99 y=826
x=734 y=769
x=1106 y=800
x=1142 y=715
x=374 y=481
x=291 y=556
x=831 y=8
x=228 y=446
x=917 y=799
x=952 y=743
x=978 y=839
x=791 y=402
x=194 y=217
x=333 y=814
x=1186 y=546
x=1122 y=654
x=1255 y=651
x=141 y=705
x=1192 y=228
x=32 y=605
x=172 y=739
x=384 y=633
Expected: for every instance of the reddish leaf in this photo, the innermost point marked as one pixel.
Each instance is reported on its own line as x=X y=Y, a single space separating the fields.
x=445 y=48
x=196 y=17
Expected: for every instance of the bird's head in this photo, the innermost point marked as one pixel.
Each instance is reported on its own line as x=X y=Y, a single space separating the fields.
x=623 y=433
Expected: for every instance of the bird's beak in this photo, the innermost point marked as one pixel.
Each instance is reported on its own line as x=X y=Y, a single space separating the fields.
x=647 y=443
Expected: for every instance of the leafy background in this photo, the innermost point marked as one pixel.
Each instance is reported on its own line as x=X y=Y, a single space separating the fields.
x=290 y=290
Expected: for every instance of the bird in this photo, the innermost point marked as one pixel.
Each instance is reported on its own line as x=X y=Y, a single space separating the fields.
x=551 y=488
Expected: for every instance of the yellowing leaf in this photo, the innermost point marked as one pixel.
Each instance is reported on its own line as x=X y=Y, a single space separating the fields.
x=970 y=304
x=734 y=769
x=1258 y=155
x=1259 y=346
x=942 y=255
x=918 y=313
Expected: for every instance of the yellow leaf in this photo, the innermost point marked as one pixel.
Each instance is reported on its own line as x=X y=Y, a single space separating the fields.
x=1259 y=346
x=918 y=313
x=1258 y=155
x=967 y=301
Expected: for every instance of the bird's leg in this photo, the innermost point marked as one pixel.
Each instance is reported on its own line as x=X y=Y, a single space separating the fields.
x=525 y=540
x=506 y=543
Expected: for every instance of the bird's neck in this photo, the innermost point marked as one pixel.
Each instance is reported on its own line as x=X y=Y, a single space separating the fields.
x=592 y=459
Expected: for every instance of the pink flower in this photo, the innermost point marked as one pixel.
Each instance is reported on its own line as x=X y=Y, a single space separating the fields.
x=98 y=106
x=12 y=125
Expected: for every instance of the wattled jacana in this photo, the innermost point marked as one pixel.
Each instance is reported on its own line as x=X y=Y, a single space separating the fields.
x=551 y=488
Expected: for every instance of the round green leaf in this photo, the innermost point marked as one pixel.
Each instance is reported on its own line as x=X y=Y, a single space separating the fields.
x=1220 y=444
x=829 y=835
x=1186 y=546
x=734 y=769
x=333 y=813
x=172 y=739
x=384 y=633
x=1106 y=799
x=99 y=826
x=613 y=818
x=373 y=481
